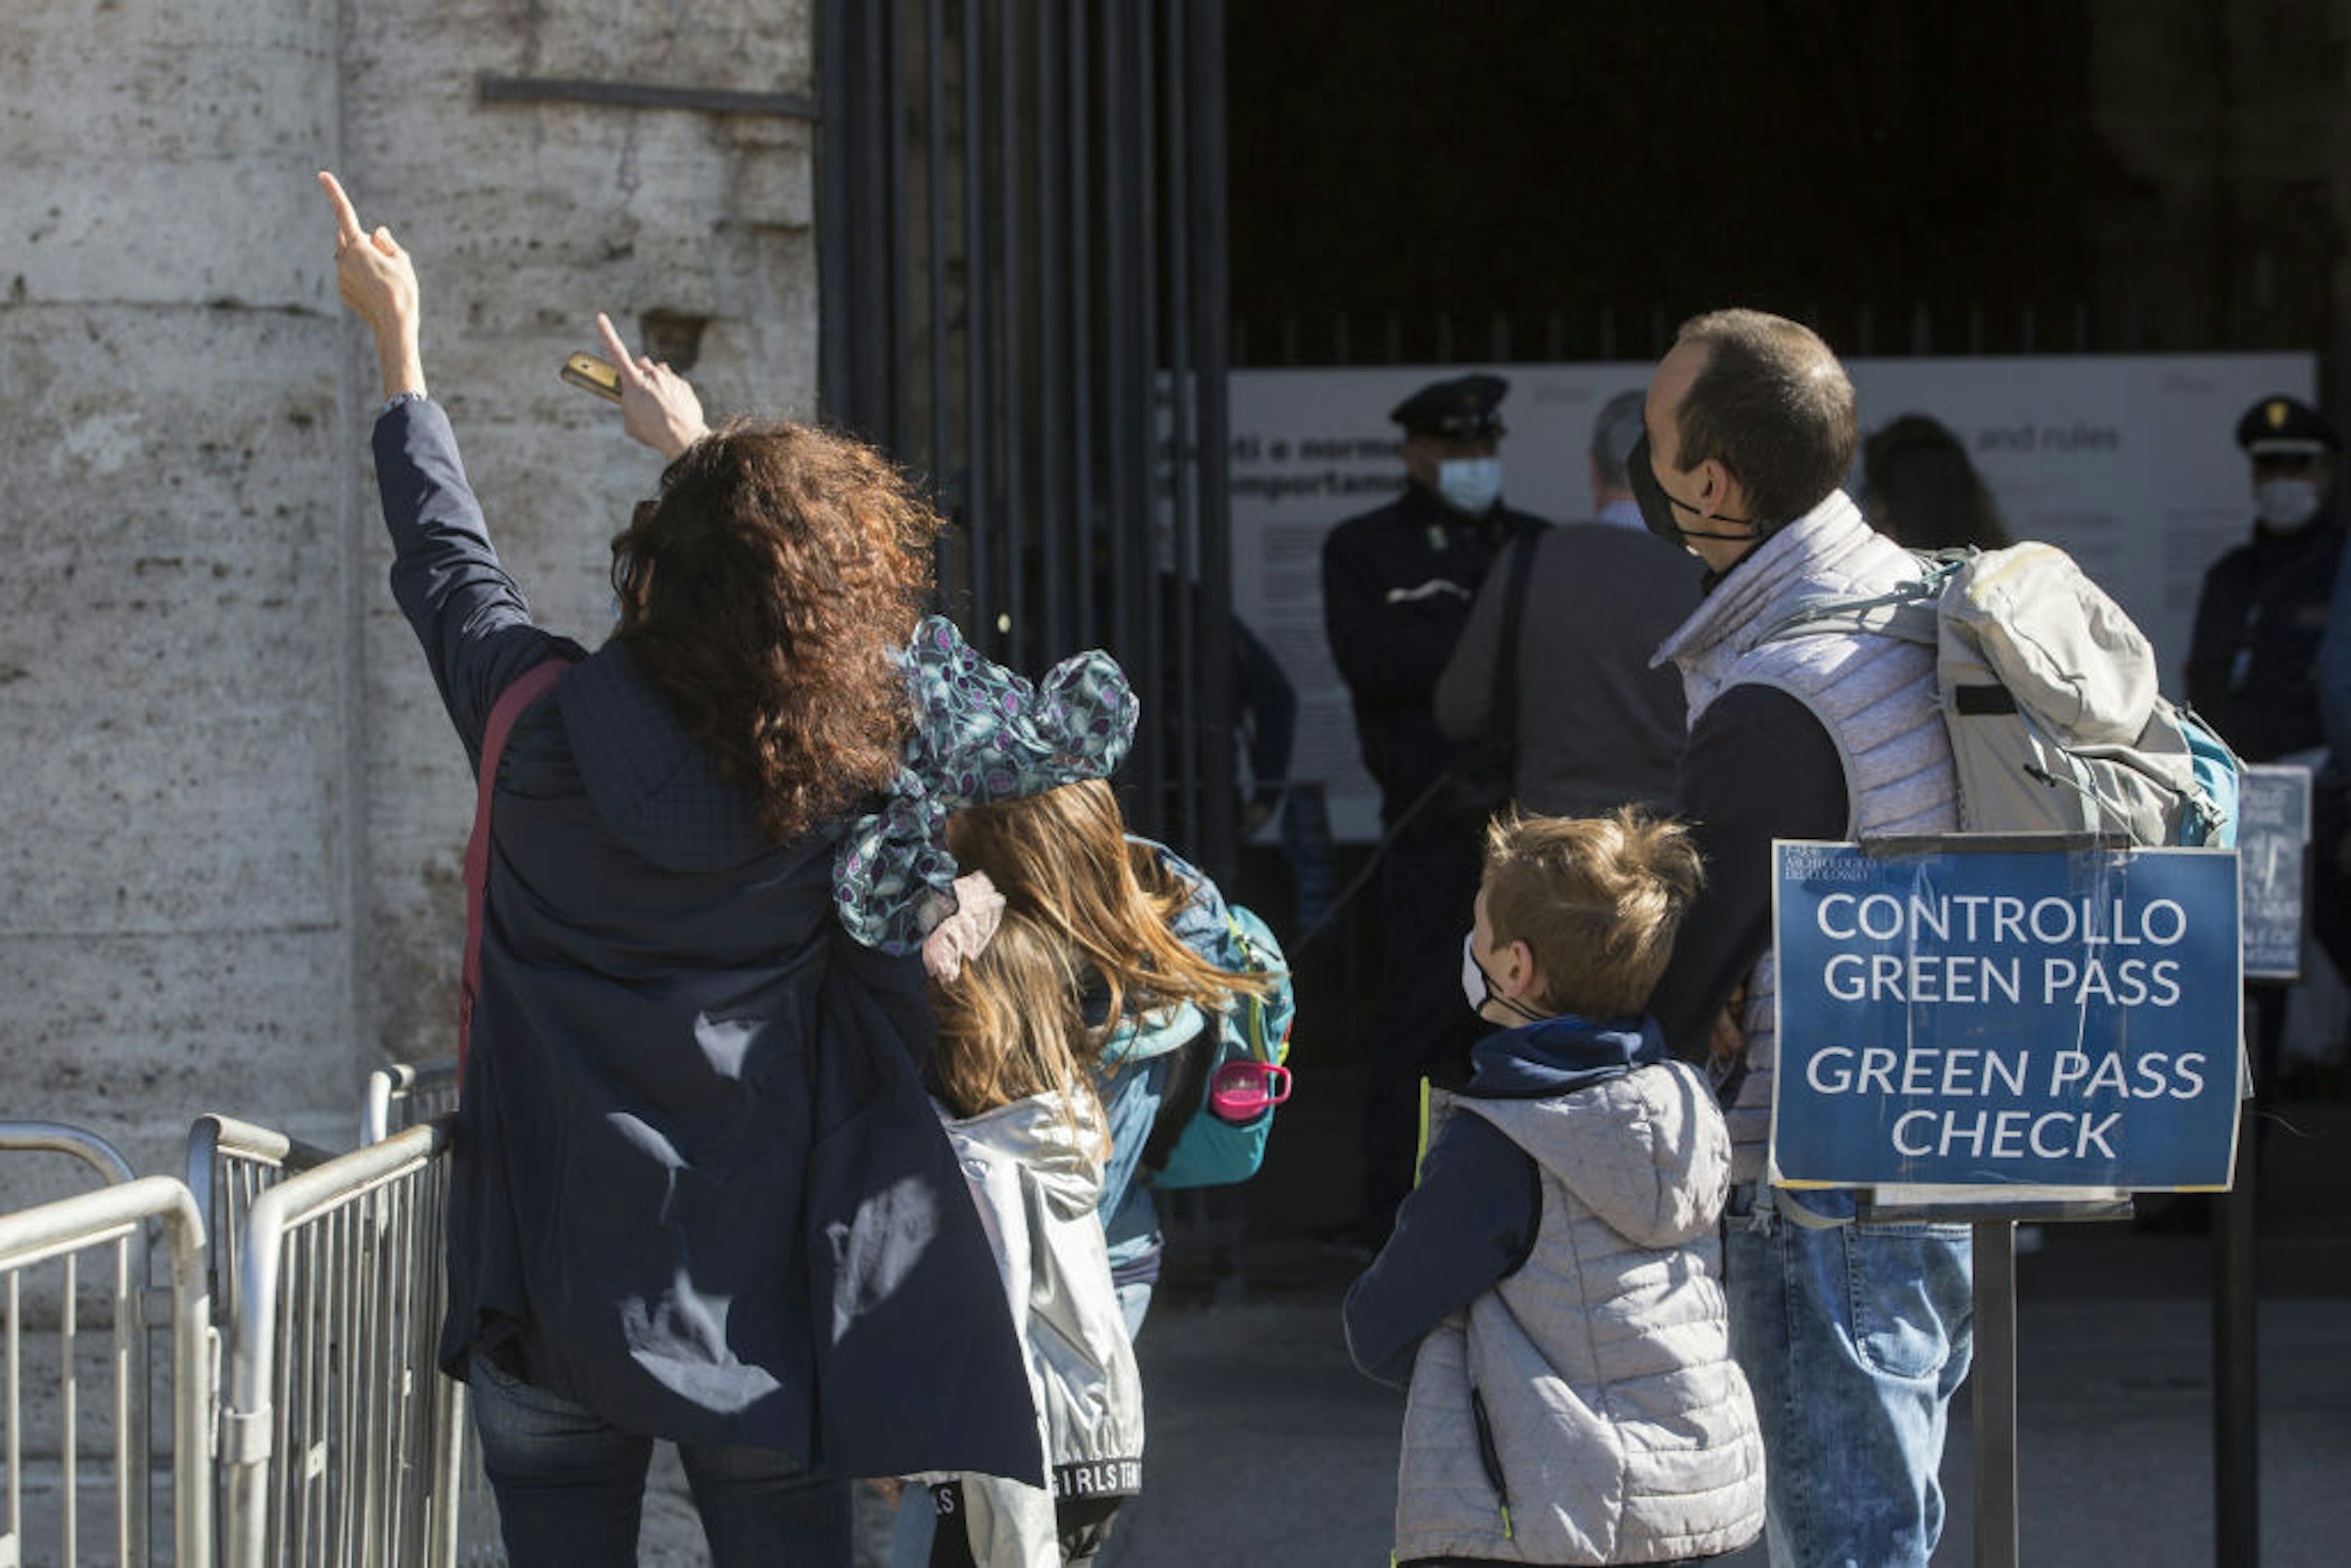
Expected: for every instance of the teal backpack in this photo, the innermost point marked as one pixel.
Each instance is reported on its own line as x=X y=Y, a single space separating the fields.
x=1193 y=1141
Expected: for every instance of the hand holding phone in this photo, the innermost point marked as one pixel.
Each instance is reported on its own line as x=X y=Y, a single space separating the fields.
x=590 y=374
x=658 y=406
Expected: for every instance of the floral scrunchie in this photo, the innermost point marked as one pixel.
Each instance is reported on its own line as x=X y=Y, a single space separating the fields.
x=982 y=733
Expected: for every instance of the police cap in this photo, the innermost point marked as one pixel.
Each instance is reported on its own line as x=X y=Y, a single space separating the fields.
x=1461 y=409
x=2282 y=426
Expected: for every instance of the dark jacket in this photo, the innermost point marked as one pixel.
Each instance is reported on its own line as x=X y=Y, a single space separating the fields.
x=697 y=1186
x=1396 y=589
x=1597 y=726
x=2252 y=659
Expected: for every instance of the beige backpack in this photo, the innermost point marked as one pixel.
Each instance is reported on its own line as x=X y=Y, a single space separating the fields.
x=2048 y=693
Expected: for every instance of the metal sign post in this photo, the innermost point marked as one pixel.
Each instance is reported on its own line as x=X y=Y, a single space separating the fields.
x=1994 y=1030
x=2273 y=828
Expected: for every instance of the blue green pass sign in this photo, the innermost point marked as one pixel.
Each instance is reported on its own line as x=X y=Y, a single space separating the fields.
x=1991 y=1017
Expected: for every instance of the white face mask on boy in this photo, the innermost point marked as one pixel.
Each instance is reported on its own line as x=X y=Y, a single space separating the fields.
x=1478 y=988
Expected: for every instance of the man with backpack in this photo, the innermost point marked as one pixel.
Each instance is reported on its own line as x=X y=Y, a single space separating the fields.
x=1853 y=1338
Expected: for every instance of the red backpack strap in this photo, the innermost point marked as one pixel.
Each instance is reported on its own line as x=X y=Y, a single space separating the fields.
x=524 y=690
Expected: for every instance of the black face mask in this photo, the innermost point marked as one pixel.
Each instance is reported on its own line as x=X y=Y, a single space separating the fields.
x=1657 y=506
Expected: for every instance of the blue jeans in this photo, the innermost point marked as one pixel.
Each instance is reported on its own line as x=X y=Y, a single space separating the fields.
x=1854 y=1341
x=571 y=1488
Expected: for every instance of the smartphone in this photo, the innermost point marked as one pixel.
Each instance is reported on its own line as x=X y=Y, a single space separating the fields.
x=590 y=374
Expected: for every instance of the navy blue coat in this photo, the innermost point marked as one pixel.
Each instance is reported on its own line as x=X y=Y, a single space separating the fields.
x=697 y=1184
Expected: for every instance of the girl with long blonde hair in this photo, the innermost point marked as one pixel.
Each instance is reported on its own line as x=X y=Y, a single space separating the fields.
x=1140 y=926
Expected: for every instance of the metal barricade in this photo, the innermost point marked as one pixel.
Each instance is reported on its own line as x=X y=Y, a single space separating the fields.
x=405 y=1094
x=117 y=1218
x=230 y=1164
x=398 y=1097
x=334 y=1418
x=133 y=1393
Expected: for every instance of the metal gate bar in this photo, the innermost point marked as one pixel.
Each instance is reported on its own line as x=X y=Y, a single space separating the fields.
x=1041 y=330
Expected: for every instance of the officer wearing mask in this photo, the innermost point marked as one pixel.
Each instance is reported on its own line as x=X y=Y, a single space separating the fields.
x=1397 y=584
x=2252 y=659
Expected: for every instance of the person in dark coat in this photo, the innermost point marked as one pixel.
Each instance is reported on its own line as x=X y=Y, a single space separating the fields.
x=2252 y=657
x=1397 y=585
x=698 y=1193
x=1593 y=726
x=2253 y=667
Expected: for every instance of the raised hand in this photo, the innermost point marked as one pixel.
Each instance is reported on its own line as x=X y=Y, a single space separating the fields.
x=377 y=282
x=658 y=406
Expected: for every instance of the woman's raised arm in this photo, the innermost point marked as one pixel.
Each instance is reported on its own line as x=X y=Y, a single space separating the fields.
x=378 y=281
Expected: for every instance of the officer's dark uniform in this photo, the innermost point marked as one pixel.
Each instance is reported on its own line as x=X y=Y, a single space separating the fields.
x=1397 y=585
x=2252 y=662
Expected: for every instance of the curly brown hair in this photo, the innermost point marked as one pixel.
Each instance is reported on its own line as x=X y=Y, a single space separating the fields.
x=766 y=589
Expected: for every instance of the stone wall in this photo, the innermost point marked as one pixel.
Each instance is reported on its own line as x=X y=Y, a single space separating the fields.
x=233 y=812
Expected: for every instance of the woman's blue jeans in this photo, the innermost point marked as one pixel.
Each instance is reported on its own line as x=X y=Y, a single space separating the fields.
x=1854 y=1341
x=571 y=1488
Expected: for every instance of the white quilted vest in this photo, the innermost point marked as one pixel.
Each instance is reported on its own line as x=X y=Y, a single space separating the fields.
x=1876 y=696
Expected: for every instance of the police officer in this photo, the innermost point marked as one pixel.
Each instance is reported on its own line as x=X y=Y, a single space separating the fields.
x=2252 y=659
x=1397 y=585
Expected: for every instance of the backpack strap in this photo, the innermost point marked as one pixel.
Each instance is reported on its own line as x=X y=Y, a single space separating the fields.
x=1505 y=728
x=1905 y=611
x=521 y=692
x=1183 y=1093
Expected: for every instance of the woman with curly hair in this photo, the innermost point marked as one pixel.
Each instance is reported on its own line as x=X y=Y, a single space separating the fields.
x=698 y=1192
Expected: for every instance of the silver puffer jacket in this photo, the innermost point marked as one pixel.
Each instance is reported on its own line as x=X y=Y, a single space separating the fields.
x=1034 y=1173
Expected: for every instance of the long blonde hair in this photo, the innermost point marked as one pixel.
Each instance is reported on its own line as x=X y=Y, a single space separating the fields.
x=1062 y=861
x=1009 y=1025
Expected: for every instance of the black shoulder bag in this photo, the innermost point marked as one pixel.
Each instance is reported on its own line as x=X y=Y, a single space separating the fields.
x=1484 y=779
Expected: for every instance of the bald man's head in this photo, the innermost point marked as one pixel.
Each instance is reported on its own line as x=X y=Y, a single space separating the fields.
x=1772 y=404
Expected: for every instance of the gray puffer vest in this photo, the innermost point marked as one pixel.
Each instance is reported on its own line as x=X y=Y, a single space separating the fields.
x=1876 y=696
x=1586 y=1408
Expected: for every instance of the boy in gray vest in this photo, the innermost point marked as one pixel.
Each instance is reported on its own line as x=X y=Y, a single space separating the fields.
x=1552 y=1288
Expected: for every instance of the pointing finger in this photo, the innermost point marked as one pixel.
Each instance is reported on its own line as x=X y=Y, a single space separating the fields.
x=346 y=218
x=615 y=350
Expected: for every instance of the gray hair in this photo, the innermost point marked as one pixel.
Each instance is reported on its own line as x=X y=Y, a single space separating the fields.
x=1613 y=430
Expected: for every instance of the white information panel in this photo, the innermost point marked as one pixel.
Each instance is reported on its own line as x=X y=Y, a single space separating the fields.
x=2127 y=462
